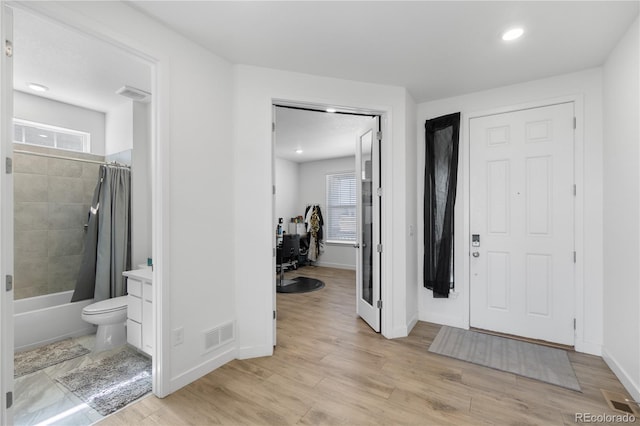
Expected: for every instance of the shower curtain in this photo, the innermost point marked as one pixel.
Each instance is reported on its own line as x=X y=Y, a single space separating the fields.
x=107 y=242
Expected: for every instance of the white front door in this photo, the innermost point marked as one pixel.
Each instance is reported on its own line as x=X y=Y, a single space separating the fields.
x=368 y=225
x=522 y=219
x=6 y=218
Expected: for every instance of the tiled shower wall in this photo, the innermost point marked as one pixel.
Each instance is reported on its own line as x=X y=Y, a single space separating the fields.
x=51 y=198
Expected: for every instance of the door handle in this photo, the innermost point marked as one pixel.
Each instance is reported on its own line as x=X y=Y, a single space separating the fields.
x=475 y=254
x=356 y=245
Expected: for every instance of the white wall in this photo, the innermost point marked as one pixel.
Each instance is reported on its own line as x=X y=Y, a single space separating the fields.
x=141 y=185
x=255 y=90
x=411 y=176
x=313 y=190
x=119 y=129
x=586 y=84
x=42 y=110
x=287 y=184
x=193 y=200
x=622 y=211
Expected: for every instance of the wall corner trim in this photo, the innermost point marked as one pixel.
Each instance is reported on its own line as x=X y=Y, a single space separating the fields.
x=202 y=369
x=255 y=351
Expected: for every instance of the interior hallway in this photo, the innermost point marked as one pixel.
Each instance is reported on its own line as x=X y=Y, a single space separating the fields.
x=330 y=368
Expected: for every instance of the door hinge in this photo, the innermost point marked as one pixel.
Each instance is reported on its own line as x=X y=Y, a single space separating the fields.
x=9 y=283
x=379 y=135
x=379 y=192
x=8 y=48
x=273 y=189
x=379 y=248
x=379 y=304
x=274 y=252
x=9 y=399
x=574 y=323
x=575 y=190
x=274 y=315
x=8 y=165
x=575 y=256
x=575 y=123
x=273 y=127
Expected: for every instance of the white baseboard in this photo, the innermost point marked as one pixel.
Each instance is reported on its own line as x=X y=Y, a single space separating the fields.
x=335 y=265
x=443 y=320
x=627 y=381
x=201 y=370
x=412 y=324
x=255 y=351
x=402 y=331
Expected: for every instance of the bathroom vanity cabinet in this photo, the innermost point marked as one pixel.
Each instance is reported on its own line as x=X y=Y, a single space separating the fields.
x=140 y=309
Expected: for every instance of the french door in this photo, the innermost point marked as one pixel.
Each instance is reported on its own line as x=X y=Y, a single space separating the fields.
x=368 y=225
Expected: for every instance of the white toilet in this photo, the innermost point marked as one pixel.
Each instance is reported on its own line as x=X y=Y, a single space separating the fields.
x=111 y=317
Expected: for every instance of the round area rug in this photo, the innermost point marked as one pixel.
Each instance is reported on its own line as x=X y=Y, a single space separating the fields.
x=301 y=285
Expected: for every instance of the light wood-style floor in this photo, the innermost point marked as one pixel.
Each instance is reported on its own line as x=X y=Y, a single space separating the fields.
x=329 y=367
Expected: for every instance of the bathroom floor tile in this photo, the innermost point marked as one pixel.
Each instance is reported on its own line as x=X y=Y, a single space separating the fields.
x=39 y=398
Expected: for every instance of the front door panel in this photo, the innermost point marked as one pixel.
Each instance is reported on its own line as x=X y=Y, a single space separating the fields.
x=522 y=204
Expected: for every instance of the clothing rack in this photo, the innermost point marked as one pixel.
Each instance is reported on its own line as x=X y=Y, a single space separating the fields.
x=62 y=157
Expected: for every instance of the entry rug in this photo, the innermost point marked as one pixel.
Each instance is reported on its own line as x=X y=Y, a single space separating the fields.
x=526 y=359
x=110 y=383
x=45 y=356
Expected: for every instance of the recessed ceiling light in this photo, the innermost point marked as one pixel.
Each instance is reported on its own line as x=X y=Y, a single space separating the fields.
x=42 y=135
x=37 y=87
x=331 y=110
x=512 y=34
x=299 y=151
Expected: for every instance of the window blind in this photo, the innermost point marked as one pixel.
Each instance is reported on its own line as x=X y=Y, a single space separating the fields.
x=341 y=207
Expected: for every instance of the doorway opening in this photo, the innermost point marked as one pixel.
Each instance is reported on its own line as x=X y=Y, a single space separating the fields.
x=326 y=161
x=72 y=122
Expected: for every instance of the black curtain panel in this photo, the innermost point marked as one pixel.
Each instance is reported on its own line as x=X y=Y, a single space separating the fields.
x=440 y=178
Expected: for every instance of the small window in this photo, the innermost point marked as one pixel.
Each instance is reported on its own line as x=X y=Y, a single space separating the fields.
x=341 y=207
x=31 y=133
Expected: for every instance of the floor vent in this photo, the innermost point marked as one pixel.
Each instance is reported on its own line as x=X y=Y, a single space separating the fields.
x=621 y=402
x=218 y=336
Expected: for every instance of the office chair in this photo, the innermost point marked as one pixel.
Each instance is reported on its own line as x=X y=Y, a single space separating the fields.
x=287 y=254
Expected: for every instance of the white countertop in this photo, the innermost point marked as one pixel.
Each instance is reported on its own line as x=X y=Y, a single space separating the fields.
x=145 y=274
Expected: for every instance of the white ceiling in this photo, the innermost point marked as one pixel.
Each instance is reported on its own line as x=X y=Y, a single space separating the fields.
x=77 y=69
x=435 y=49
x=320 y=135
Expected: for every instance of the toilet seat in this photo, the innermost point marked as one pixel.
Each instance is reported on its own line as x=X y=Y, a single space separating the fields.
x=106 y=306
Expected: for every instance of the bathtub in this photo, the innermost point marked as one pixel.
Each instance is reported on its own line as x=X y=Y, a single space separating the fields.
x=44 y=319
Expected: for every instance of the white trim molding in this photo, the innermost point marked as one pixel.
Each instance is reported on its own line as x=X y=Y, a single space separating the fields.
x=627 y=381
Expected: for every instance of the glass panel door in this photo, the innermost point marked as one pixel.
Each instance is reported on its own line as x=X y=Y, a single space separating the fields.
x=368 y=225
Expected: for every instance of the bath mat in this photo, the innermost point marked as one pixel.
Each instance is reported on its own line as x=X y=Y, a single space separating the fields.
x=300 y=285
x=110 y=383
x=549 y=365
x=45 y=356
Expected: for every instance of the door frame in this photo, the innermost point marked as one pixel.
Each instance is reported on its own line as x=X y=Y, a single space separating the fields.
x=6 y=221
x=159 y=167
x=578 y=219
x=384 y=123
